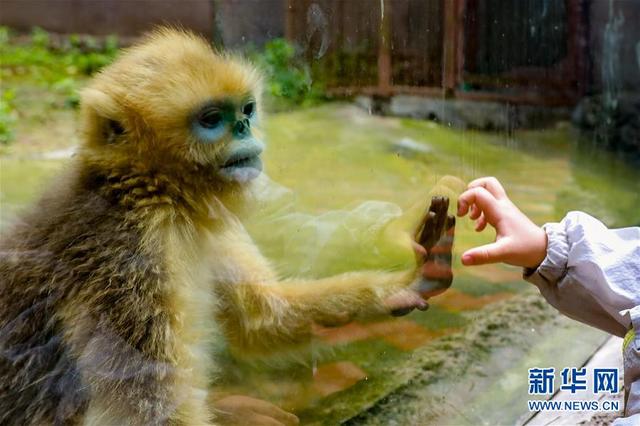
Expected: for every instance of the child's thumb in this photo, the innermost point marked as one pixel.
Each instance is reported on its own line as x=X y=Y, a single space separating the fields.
x=490 y=253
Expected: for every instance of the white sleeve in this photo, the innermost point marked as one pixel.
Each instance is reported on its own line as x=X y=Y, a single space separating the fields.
x=591 y=273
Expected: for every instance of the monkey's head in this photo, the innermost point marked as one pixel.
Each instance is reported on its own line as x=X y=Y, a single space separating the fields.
x=173 y=103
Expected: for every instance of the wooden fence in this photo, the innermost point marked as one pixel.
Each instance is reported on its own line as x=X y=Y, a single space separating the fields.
x=527 y=51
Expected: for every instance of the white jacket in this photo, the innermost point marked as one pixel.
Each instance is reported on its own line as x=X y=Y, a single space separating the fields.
x=591 y=273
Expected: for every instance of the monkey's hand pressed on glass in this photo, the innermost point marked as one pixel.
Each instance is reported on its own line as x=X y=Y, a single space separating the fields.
x=433 y=242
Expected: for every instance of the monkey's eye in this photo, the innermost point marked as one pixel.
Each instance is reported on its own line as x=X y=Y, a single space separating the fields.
x=116 y=127
x=210 y=118
x=249 y=109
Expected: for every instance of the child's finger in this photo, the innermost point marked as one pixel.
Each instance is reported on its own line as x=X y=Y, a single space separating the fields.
x=490 y=253
x=491 y=184
x=484 y=200
x=481 y=223
x=475 y=212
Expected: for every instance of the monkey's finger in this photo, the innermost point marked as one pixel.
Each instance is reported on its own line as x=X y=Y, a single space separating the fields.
x=283 y=417
x=439 y=203
x=427 y=237
x=406 y=311
x=436 y=222
x=450 y=224
x=442 y=207
x=293 y=420
x=430 y=214
x=260 y=420
x=404 y=301
x=270 y=410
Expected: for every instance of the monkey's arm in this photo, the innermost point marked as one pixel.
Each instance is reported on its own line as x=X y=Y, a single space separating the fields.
x=258 y=316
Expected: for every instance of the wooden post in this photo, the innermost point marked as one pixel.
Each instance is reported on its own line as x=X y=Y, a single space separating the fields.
x=451 y=47
x=384 y=50
x=578 y=71
x=289 y=15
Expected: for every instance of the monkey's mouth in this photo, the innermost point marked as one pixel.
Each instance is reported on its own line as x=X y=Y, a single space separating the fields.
x=242 y=166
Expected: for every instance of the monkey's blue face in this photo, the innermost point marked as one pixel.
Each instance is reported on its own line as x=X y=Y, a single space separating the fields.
x=228 y=123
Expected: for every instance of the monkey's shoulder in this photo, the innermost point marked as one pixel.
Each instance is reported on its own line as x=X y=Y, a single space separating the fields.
x=77 y=246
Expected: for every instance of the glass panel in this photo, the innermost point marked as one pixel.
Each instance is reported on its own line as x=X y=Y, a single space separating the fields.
x=147 y=268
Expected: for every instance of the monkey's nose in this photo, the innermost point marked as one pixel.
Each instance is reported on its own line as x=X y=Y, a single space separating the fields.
x=242 y=128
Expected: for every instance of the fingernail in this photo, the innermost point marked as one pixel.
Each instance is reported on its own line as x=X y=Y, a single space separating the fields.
x=467 y=259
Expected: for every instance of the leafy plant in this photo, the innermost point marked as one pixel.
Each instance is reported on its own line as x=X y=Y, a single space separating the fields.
x=55 y=62
x=7 y=116
x=40 y=37
x=4 y=36
x=289 y=79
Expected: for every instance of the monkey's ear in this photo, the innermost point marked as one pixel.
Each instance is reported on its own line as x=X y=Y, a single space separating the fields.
x=103 y=116
x=101 y=103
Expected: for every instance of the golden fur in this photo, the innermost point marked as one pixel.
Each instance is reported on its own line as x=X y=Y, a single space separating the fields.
x=113 y=286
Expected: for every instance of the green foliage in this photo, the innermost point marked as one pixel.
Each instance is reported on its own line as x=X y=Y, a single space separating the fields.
x=57 y=63
x=4 y=36
x=289 y=80
x=7 y=116
x=88 y=55
x=40 y=38
x=60 y=63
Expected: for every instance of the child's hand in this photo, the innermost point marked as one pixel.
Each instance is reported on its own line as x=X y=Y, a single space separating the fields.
x=518 y=242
